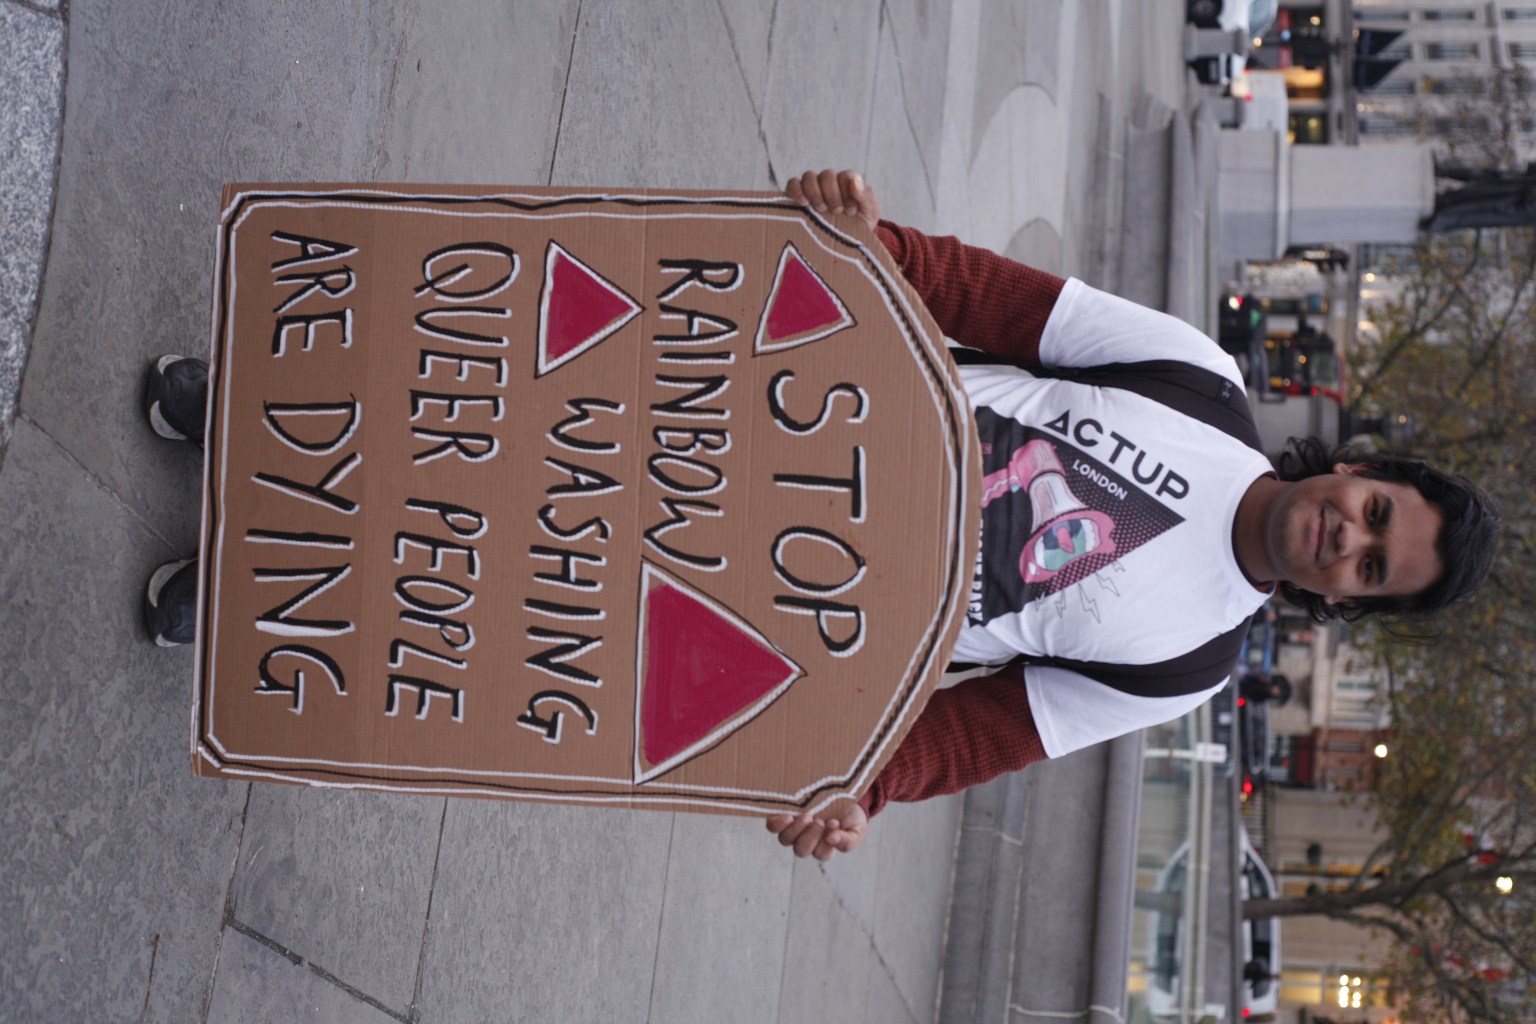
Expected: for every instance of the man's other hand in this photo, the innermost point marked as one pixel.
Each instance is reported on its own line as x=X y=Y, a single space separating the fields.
x=836 y=192
x=821 y=838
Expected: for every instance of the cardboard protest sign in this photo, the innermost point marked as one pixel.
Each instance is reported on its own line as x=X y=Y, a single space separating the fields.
x=653 y=499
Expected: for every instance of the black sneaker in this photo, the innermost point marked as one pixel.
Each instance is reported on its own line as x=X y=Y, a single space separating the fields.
x=170 y=603
x=176 y=397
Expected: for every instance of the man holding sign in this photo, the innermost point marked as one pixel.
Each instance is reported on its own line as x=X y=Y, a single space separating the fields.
x=1130 y=525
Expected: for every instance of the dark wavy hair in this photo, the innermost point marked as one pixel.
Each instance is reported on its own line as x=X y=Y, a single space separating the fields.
x=1466 y=543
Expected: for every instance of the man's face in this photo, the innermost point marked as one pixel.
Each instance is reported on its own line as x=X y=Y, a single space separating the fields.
x=1345 y=536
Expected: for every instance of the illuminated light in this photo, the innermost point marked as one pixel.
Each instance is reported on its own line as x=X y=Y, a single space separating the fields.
x=1370 y=277
x=1381 y=750
x=1258 y=41
x=1504 y=884
x=1344 y=998
x=1355 y=982
x=1234 y=302
x=1318 y=21
x=1343 y=979
x=1402 y=418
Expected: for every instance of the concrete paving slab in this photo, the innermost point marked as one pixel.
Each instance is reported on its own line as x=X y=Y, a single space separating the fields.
x=821 y=75
x=750 y=25
x=257 y=985
x=883 y=1002
x=827 y=952
x=1087 y=82
x=920 y=30
x=915 y=876
x=442 y=126
x=896 y=165
x=1017 y=47
x=1038 y=244
x=163 y=108
x=855 y=878
x=1013 y=176
x=723 y=922
x=118 y=860
x=31 y=54
x=655 y=99
x=342 y=879
x=544 y=913
x=952 y=175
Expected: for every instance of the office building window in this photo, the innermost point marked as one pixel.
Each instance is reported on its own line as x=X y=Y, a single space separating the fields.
x=1520 y=14
x=1384 y=126
x=1380 y=14
x=1453 y=86
x=1308 y=129
x=1459 y=125
x=1522 y=51
x=1452 y=14
x=1451 y=50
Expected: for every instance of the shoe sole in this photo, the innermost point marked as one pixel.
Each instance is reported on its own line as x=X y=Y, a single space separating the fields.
x=152 y=406
x=156 y=584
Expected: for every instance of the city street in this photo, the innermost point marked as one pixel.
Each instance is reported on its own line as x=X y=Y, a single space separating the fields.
x=1051 y=130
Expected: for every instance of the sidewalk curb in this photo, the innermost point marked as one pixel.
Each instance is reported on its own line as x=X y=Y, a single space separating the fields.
x=34 y=43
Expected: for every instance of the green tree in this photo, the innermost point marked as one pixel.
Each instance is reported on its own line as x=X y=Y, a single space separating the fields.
x=1455 y=803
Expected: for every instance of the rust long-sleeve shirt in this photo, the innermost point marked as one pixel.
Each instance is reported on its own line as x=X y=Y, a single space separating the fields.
x=981 y=728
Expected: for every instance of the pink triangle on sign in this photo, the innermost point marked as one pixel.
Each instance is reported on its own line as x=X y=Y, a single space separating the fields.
x=706 y=673
x=578 y=309
x=801 y=306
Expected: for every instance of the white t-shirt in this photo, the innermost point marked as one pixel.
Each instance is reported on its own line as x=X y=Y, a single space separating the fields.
x=1107 y=520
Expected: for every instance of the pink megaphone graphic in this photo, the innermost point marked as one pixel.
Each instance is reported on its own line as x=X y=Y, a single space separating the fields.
x=1065 y=529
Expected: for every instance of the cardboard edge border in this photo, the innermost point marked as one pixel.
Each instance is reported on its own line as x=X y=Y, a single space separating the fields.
x=927 y=348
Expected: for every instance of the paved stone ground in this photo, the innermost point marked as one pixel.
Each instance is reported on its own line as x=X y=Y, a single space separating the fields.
x=135 y=892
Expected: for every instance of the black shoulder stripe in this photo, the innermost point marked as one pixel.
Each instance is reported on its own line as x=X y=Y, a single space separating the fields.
x=1198 y=393
x=1199 y=669
x=1202 y=395
x=1191 y=672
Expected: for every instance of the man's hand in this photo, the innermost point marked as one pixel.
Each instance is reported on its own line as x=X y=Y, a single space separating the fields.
x=836 y=192
x=821 y=838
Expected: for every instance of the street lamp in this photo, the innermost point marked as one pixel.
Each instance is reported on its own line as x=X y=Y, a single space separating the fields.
x=1381 y=750
x=1504 y=884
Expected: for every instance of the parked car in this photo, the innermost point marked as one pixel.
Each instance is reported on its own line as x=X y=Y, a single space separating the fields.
x=1252 y=744
x=1251 y=17
x=1259 y=942
x=1255 y=659
x=1257 y=654
x=1224 y=727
